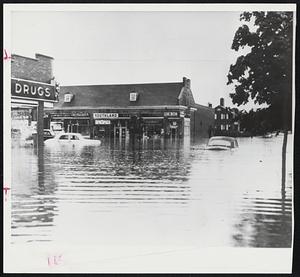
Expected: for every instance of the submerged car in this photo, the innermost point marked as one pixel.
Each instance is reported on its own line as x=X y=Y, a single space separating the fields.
x=222 y=143
x=48 y=134
x=71 y=139
x=268 y=135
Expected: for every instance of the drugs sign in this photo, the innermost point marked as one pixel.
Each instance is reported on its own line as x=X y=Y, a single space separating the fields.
x=25 y=89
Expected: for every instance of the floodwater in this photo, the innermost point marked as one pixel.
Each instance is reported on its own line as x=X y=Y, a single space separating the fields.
x=156 y=193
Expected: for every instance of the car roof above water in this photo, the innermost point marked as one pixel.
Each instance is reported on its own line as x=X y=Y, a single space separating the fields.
x=223 y=138
x=71 y=134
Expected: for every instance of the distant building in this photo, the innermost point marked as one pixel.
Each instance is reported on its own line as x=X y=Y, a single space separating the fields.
x=148 y=110
x=226 y=120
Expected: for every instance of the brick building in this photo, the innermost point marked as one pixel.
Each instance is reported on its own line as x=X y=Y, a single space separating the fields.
x=226 y=120
x=32 y=85
x=165 y=110
x=39 y=69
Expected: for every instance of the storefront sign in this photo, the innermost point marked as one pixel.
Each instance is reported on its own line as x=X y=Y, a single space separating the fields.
x=70 y=114
x=171 y=114
x=105 y=115
x=20 y=114
x=102 y=122
x=153 y=121
x=173 y=125
x=32 y=90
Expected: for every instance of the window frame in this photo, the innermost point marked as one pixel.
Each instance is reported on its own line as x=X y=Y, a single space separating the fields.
x=60 y=137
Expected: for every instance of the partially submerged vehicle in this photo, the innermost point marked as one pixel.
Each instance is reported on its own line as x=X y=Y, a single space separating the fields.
x=268 y=135
x=222 y=143
x=48 y=134
x=71 y=139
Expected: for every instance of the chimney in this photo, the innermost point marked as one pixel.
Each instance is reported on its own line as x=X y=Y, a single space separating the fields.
x=186 y=82
x=222 y=101
x=209 y=105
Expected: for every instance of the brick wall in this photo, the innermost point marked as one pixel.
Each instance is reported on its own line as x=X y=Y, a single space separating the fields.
x=38 y=69
x=202 y=120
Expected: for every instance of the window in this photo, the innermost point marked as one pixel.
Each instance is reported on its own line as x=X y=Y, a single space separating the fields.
x=68 y=97
x=133 y=96
x=222 y=127
x=227 y=116
x=222 y=116
x=64 y=137
x=74 y=137
x=215 y=116
x=227 y=127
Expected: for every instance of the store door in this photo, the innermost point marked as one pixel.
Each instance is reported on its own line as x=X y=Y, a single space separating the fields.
x=120 y=133
x=174 y=133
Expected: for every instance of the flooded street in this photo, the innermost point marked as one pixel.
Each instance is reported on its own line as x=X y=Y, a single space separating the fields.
x=156 y=193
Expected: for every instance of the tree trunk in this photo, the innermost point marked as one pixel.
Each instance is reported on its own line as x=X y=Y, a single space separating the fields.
x=283 y=168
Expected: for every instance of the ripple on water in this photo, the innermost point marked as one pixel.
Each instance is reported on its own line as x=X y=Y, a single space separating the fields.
x=156 y=195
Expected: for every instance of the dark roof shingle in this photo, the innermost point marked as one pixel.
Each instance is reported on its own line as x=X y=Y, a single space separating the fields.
x=152 y=94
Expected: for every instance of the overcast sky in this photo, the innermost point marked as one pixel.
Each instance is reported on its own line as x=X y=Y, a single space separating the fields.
x=133 y=47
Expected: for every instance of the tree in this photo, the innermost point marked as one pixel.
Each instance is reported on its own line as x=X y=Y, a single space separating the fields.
x=265 y=73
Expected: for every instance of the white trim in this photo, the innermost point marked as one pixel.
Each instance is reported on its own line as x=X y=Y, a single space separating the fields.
x=153 y=117
x=16 y=101
x=25 y=106
x=69 y=117
x=24 y=80
x=122 y=108
x=192 y=7
x=35 y=99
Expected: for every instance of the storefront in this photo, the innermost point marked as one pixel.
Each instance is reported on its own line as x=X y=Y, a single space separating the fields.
x=120 y=123
x=73 y=121
x=145 y=111
x=32 y=88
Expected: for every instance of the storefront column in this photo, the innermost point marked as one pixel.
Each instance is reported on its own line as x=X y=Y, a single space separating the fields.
x=40 y=125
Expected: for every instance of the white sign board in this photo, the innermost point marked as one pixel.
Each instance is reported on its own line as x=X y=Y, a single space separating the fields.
x=102 y=122
x=105 y=115
x=175 y=114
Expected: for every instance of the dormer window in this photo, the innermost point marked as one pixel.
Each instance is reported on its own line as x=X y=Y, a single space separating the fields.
x=133 y=96
x=68 y=97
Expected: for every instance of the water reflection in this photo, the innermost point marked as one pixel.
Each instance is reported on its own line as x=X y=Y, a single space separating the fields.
x=33 y=205
x=153 y=192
